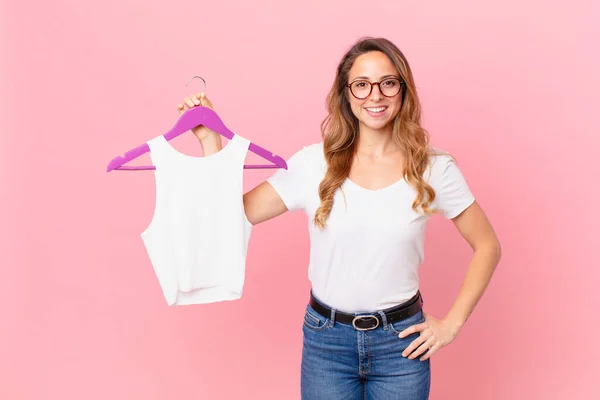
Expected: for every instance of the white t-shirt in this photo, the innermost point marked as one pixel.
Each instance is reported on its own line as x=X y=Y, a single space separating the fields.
x=367 y=257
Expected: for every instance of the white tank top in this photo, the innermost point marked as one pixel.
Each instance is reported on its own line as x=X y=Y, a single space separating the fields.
x=198 y=236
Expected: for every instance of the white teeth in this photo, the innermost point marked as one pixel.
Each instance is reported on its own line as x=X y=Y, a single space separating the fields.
x=379 y=109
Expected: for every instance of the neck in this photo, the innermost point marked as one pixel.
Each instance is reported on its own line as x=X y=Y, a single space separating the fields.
x=375 y=142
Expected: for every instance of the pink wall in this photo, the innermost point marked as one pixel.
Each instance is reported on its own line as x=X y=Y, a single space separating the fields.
x=510 y=88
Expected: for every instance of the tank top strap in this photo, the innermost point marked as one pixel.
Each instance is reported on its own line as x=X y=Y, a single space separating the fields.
x=158 y=149
x=241 y=145
x=157 y=144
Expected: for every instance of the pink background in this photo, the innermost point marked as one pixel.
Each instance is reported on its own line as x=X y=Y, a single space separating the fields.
x=510 y=88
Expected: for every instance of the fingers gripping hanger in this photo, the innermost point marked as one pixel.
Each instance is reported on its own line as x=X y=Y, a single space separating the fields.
x=191 y=118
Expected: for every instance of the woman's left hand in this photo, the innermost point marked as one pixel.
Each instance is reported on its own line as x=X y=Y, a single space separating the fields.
x=435 y=334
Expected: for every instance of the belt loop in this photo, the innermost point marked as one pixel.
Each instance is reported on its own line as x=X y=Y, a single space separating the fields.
x=332 y=317
x=384 y=319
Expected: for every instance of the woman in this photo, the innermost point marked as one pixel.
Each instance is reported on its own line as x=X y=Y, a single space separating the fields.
x=369 y=189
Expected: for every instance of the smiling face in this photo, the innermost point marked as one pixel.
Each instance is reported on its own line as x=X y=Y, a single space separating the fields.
x=376 y=111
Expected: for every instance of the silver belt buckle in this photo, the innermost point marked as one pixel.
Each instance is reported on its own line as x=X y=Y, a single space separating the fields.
x=361 y=317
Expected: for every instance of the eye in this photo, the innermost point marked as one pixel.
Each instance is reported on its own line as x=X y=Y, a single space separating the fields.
x=390 y=83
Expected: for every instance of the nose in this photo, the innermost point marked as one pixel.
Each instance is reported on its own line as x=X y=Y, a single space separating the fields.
x=376 y=92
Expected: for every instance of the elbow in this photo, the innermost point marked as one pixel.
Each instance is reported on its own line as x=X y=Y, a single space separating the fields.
x=491 y=248
x=496 y=251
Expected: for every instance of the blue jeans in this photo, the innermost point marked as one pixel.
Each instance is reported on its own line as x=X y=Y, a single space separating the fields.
x=342 y=363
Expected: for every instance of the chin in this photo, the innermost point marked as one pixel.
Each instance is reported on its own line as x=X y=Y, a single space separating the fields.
x=377 y=125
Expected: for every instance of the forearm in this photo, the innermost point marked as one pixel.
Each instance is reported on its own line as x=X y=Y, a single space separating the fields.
x=211 y=144
x=478 y=275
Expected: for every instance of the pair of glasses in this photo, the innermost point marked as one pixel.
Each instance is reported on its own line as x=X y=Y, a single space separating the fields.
x=389 y=87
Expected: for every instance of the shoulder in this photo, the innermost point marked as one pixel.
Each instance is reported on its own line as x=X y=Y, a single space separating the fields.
x=312 y=151
x=452 y=190
x=310 y=155
x=440 y=162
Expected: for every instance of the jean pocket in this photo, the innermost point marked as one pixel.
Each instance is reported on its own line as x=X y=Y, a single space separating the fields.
x=315 y=321
x=398 y=326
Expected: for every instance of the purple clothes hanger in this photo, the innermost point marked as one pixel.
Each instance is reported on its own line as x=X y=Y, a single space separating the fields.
x=198 y=115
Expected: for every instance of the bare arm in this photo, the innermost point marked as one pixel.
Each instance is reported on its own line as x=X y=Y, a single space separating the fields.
x=476 y=229
x=263 y=203
x=478 y=232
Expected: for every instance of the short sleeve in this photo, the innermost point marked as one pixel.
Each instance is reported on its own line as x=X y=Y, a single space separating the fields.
x=453 y=195
x=291 y=184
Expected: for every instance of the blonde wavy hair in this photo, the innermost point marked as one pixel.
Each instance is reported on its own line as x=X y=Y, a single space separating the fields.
x=340 y=127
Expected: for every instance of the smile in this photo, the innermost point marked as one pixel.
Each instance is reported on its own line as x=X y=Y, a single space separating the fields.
x=376 y=109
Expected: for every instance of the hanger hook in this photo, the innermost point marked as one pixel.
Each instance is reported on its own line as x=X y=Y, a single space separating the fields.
x=197 y=77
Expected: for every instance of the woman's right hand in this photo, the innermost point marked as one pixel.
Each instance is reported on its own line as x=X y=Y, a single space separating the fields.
x=198 y=99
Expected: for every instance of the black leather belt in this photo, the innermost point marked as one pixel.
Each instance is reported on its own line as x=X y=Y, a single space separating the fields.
x=365 y=322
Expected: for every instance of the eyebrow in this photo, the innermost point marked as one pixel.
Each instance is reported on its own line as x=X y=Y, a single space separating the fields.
x=383 y=77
